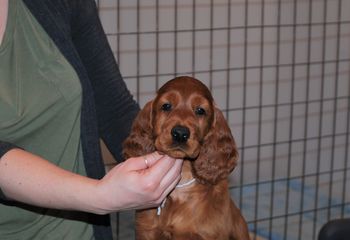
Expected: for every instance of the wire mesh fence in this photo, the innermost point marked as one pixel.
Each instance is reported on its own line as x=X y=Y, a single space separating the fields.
x=279 y=70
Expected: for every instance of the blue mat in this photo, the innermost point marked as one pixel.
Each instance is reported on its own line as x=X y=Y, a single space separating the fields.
x=270 y=222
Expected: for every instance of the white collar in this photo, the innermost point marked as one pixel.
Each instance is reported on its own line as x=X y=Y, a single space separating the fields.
x=185 y=184
x=182 y=185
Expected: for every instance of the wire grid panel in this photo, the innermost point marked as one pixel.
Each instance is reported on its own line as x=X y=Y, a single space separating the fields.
x=279 y=70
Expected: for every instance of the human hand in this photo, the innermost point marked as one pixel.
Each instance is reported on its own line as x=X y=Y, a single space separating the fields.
x=138 y=183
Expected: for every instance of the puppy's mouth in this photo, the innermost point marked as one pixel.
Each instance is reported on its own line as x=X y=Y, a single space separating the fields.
x=182 y=152
x=176 y=150
x=178 y=142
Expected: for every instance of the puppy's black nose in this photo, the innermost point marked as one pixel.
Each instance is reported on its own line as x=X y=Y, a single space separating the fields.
x=180 y=134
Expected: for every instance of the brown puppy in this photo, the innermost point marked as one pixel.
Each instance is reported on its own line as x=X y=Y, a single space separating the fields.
x=183 y=122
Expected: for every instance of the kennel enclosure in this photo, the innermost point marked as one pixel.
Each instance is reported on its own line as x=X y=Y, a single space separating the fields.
x=280 y=72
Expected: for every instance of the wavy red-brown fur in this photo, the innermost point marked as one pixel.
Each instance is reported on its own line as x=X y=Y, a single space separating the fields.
x=203 y=210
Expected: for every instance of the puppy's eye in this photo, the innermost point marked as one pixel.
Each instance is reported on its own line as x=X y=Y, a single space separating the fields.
x=166 y=107
x=200 y=111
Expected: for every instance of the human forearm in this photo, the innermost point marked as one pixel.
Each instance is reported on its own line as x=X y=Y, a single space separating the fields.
x=30 y=179
x=132 y=184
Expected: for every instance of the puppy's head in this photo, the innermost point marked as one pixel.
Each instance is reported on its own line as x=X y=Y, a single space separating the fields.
x=183 y=122
x=182 y=115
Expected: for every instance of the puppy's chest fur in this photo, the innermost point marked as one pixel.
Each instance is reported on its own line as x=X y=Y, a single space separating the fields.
x=188 y=212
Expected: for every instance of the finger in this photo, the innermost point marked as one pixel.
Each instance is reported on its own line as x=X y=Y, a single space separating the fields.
x=143 y=162
x=152 y=158
x=170 y=188
x=172 y=178
x=172 y=174
x=160 y=168
x=169 y=182
x=163 y=195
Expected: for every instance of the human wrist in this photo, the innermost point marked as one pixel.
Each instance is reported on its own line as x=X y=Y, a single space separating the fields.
x=89 y=197
x=97 y=198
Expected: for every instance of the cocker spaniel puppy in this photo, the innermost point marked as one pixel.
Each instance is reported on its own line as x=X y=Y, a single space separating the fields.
x=183 y=122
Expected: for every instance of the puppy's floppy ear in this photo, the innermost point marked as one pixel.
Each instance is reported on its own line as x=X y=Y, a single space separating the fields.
x=218 y=155
x=140 y=140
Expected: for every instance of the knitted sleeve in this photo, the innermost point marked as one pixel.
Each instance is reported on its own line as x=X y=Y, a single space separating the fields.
x=115 y=106
x=5 y=147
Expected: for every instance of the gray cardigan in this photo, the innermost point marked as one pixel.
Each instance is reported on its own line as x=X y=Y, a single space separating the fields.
x=108 y=108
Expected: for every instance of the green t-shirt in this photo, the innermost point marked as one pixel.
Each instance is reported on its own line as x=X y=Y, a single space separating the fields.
x=40 y=104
